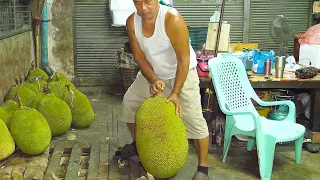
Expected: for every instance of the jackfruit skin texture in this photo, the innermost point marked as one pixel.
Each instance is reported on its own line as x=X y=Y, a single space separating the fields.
x=11 y=106
x=26 y=94
x=5 y=116
x=37 y=100
x=7 y=144
x=57 y=114
x=30 y=131
x=161 y=137
x=39 y=84
x=32 y=87
x=36 y=73
x=58 y=88
x=81 y=109
x=58 y=77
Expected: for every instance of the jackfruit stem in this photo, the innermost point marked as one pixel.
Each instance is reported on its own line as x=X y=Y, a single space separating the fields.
x=17 y=81
x=19 y=100
x=160 y=93
x=54 y=74
x=47 y=90
x=21 y=80
x=68 y=86
x=38 y=82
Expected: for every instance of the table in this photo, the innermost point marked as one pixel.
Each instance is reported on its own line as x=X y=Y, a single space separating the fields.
x=287 y=82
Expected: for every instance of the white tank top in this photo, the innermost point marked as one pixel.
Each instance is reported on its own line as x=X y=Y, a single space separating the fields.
x=158 y=49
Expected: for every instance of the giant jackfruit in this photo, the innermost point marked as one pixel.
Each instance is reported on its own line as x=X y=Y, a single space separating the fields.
x=26 y=94
x=161 y=137
x=30 y=130
x=82 y=112
x=36 y=72
x=7 y=145
x=56 y=112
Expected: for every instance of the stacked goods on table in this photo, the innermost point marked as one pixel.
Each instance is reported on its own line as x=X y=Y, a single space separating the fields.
x=38 y=108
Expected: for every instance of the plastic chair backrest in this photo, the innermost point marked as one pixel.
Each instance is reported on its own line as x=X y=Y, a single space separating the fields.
x=230 y=81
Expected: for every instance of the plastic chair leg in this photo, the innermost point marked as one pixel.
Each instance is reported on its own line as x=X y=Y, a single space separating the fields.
x=251 y=143
x=266 y=155
x=227 y=140
x=298 y=149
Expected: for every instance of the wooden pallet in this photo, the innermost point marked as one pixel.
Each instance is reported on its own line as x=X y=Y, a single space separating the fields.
x=71 y=161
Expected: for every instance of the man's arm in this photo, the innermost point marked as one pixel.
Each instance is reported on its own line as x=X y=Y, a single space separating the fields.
x=138 y=54
x=177 y=32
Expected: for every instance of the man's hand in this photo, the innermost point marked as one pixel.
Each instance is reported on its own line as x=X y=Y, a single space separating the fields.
x=157 y=86
x=174 y=98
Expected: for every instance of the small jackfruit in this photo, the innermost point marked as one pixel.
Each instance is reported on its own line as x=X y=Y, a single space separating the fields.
x=36 y=72
x=30 y=130
x=11 y=106
x=81 y=109
x=161 y=137
x=7 y=144
x=5 y=116
x=26 y=94
x=56 y=112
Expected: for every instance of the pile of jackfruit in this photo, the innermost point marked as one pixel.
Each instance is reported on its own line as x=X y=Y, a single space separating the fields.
x=38 y=108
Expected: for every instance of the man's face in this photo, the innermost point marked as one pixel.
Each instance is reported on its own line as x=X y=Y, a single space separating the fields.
x=147 y=9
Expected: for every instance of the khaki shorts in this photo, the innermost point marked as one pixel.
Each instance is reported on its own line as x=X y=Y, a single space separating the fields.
x=190 y=100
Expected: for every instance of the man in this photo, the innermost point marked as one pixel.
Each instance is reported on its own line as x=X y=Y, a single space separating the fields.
x=159 y=40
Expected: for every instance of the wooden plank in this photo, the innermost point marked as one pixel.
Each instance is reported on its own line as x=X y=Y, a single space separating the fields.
x=114 y=170
x=73 y=167
x=109 y=125
x=93 y=168
x=115 y=125
x=54 y=162
x=105 y=129
x=104 y=162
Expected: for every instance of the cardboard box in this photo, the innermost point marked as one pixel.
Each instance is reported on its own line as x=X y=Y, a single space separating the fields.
x=310 y=55
x=212 y=37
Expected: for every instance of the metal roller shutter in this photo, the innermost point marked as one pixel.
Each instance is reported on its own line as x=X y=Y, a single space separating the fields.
x=198 y=14
x=263 y=12
x=96 y=41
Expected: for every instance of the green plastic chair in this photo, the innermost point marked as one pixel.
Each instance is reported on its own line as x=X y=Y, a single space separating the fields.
x=234 y=93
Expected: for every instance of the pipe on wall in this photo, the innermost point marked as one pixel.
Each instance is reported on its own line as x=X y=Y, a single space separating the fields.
x=44 y=40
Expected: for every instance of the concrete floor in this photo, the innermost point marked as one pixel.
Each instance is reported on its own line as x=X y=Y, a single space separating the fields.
x=240 y=164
